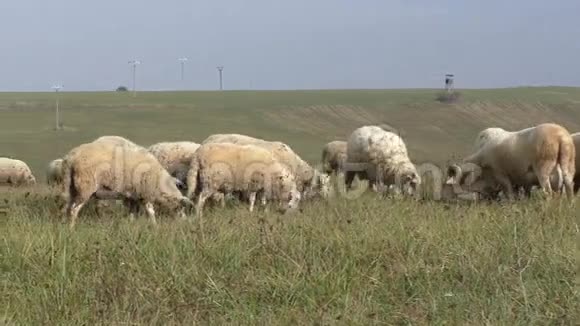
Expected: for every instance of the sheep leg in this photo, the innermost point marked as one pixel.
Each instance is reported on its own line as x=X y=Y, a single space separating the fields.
x=379 y=180
x=543 y=172
x=76 y=207
x=560 y=181
x=506 y=184
x=77 y=202
x=348 y=179
x=222 y=200
x=252 y=199
x=98 y=208
x=133 y=206
x=263 y=201
x=568 y=181
x=150 y=212
x=203 y=196
x=527 y=191
x=569 y=185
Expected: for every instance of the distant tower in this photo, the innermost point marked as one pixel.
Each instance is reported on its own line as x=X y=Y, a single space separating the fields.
x=449 y=83
x=220 y=70
x=57 y=113
x=134 y=64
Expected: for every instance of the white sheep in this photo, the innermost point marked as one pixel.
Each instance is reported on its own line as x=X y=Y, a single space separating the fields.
x=15 y=173
x=115 y=140
x=132 y=205
x=509 y=160
x=175 y=157
x=248 y=169
x=54 y=172
x=380 y=157
x=93 y=169
x=308 y=180
x=334 y=157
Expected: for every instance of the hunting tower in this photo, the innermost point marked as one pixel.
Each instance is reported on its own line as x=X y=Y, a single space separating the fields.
x=449 y=83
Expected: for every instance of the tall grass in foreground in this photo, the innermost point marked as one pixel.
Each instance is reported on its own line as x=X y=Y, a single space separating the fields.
x=367 y=261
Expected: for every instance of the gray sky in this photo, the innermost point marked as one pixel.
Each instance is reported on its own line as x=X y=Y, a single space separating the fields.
x=297 y=44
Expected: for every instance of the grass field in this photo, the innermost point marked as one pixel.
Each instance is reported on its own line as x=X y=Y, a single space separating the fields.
x=364 y=261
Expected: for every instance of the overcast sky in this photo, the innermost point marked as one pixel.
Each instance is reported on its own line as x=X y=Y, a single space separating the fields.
x=292 y=44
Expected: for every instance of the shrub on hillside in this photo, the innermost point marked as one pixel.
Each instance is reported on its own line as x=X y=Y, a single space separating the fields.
x=445 y=97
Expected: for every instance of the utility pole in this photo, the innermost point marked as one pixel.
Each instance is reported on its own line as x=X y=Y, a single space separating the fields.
x=220 y=69
x=57 y=113
x=134 y=64
x=182 y=62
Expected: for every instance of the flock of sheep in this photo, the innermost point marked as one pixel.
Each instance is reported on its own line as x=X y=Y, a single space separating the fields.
x=174 y=175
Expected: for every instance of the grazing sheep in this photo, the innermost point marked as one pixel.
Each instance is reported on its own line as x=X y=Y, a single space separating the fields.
x=468 y=178
x=434 y=185
x=96 y=169
x=334 y=157
x=54 y=172
x=231 y=138
x=249 y=169
x=115 y=140
x=381 y=156
x=576 y=138
x=308 y=180
x=175 y=157
x=15 y=173
x=132 y=205
x=524 y=158
x=495 y=136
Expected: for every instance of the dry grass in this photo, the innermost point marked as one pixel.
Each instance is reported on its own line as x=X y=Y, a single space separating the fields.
x=364 y=261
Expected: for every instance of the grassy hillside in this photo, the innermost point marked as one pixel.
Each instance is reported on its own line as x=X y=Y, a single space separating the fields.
x=304 y=119
x=362 y=261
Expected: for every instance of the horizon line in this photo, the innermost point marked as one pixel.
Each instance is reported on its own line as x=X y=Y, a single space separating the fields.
x=291 y=89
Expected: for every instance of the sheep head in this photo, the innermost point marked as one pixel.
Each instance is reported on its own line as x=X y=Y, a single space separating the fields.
x=286 y=189
x=30 y=180
x=471 y=178
x=409 y=179
x=186 y=202
x=320 y=185
x=454 y=174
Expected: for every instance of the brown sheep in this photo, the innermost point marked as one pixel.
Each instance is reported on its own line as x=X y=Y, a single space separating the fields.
x=522 y=158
